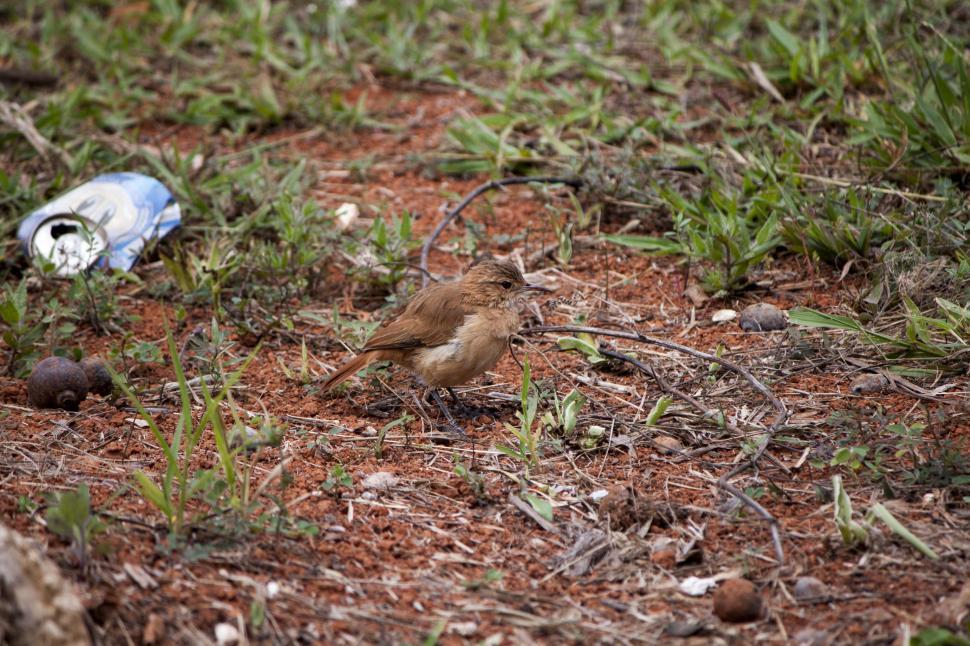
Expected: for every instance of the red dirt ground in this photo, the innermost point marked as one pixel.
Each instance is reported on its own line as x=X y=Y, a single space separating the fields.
x=394 y=564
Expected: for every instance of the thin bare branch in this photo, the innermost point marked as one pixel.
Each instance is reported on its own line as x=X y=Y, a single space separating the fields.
x=483 y=188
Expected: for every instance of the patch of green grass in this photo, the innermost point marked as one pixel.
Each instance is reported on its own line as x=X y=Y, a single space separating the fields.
x=930 y=344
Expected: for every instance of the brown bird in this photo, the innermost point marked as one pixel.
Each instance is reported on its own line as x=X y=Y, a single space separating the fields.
x=450 y=332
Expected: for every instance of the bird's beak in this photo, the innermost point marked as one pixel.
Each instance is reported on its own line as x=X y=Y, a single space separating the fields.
x=530 y=287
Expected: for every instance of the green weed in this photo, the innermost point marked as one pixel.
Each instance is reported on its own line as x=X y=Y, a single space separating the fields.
x=69 y=515
x=527 y=433
x=177 y=488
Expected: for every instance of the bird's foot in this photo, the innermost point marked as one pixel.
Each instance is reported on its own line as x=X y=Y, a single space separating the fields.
x=472 y=412
x=449 y=432
x=467 y=411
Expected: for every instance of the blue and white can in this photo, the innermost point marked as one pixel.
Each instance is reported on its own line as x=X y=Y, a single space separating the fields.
x=105 y=222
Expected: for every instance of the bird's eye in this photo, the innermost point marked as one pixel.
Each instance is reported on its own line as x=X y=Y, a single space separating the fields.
x=506 y=284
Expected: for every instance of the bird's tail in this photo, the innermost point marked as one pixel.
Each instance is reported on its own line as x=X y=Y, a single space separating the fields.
x=349 y=369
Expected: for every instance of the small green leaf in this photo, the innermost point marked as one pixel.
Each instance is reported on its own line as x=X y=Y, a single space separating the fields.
x=153 y=494
x=647 y=243
x=658 y=410
x=784 y=37
x=879 y=511
x=542 y=506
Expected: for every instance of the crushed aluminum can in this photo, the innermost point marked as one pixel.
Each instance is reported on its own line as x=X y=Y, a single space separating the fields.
x=104 y=222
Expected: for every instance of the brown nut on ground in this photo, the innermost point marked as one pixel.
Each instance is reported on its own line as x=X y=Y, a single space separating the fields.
x=737 y=601
x=99 y=379
x=762 y=317
x=56 y=382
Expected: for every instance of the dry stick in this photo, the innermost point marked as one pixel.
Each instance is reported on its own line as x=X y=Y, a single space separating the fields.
x=656 y=376
x=722 y=482
x=483 y=188
x=27 y=77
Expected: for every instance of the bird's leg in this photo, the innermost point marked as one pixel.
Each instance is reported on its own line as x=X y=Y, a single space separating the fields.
x=454 y=397
x=452 y=425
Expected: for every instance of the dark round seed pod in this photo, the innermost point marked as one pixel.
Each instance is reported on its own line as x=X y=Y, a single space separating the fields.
x=57 y=382
x=99 y=379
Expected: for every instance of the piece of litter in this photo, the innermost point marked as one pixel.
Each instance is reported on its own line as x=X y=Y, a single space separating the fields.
x=697 y=587
x=106 y=222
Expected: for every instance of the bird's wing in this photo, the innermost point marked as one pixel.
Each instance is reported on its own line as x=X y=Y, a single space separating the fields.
x=430 y=319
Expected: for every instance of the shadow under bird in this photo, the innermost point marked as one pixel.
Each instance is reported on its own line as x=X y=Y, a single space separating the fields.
x=450 y=333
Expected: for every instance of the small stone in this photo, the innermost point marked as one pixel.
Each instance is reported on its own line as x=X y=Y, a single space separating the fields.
x=762 y=317
x=737 y=601
x=668 y=444
x=808 y=588
x=723 y=316
x=380 y=480
x=226 y=634
x=683 y=628
x=347 y=213
x=272 y=589
x=868 y=383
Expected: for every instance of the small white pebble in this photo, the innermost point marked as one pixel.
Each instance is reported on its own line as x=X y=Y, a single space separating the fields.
x=272 y=589
x=599 y=494
x=347 y=214
x=226 y=634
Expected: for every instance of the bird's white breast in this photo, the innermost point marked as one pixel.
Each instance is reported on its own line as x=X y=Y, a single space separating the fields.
x=476 y=347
